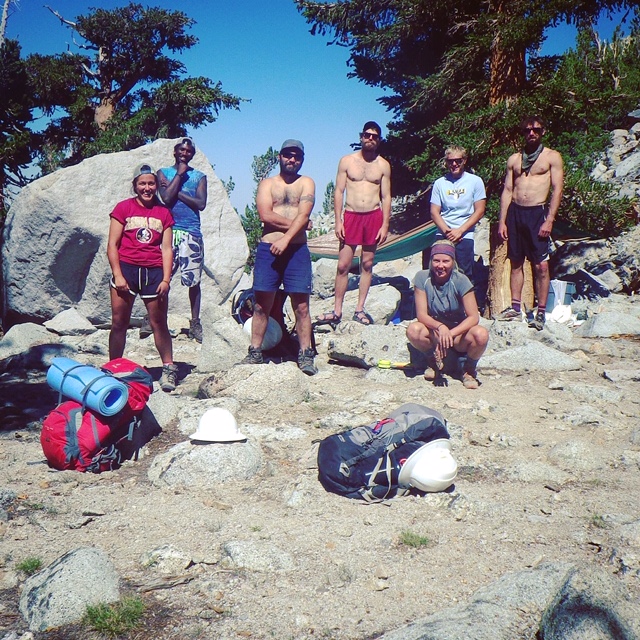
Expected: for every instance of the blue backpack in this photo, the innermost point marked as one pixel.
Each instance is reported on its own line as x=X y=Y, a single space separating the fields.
x=365 y=462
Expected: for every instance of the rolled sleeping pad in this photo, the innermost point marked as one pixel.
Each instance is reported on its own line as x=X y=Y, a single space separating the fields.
x=97 y=390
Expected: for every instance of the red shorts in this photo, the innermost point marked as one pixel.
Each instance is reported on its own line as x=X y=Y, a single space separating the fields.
x=361 y=228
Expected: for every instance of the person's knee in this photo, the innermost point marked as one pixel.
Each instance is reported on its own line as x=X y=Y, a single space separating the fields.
x=541 y=268
x=516 y=265
x=366 y=265
x=480 y=336
x=415 y=331
x=157 y=317
x=119 y=325
x=343 y=268
x=158 y=323
x=120 y=320
x=301 y=308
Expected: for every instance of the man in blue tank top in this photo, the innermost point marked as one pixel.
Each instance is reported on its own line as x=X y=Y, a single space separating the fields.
x=184 y=191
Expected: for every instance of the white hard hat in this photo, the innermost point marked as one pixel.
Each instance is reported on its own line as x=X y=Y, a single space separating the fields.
x=217 y=425
x=272 y=336
x=430 y=468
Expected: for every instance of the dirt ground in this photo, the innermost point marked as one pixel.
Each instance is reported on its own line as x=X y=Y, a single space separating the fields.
x=537 y=483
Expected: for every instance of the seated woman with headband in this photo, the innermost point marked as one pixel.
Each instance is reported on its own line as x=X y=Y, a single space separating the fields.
x=448 y=316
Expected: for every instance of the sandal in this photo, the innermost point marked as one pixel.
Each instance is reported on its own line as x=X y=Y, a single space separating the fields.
x=363 y=318
x=331 y=317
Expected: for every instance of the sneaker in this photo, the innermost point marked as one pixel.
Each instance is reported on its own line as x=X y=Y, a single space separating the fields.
x=469 y=380
x=145 y=328
x=195 y=330
x=169 y=378
x=254 y=356
x=538 y=321
x=509 y=314
x=305 y=362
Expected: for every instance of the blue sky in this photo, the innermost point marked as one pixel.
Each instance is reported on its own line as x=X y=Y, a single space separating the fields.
x=260 y=50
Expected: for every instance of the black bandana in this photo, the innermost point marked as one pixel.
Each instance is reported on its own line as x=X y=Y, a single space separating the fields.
x=529 y=158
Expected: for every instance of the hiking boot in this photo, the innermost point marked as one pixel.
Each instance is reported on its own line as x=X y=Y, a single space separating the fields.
x=537 y=322
x=305 y=361
x=509 y=314
x=254 y=356
x=145 y=329
x=430 y=374
x=469 y=380
x=195 y=330
x=434 y=366
x=169 y=378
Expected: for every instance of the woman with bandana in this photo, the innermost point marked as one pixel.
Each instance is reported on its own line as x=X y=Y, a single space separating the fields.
x=448 y=317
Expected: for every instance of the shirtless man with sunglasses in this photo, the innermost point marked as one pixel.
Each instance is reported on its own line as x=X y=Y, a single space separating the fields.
x=362 y=206
x=527 y=216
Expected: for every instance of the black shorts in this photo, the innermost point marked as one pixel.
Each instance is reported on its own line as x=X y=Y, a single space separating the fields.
x=142 y=281
x=523 y=226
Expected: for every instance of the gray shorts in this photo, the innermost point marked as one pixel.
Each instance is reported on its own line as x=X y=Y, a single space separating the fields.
x=188 y=256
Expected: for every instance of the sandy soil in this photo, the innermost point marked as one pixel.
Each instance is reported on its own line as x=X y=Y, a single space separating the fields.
x=536 y=483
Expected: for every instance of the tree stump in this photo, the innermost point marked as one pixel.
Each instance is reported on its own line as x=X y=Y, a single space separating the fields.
x=499 y=290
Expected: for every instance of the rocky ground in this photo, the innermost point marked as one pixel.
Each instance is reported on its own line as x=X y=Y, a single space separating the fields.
x=548 y=471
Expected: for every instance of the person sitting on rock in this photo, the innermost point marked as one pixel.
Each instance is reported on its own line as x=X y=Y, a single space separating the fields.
x=448 y=316
x=140 y=254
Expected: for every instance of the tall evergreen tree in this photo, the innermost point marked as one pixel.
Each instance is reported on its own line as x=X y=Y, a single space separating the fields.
x=15 y=115
x=467 y=71
x=122 y=88
x=261 y=167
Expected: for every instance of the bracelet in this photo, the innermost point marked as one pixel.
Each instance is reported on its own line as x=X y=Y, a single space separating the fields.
x=438 y=327
x=167 y=282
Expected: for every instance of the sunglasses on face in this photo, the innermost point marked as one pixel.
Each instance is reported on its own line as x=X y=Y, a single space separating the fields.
x=372 y=136
x=536 y=130
x=454 y=160
x=291 y=154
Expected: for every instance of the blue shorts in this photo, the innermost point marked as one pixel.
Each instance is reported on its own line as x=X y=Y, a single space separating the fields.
x=142 y=281
x=291 y=269
x=188 y=256
x=523 y=225
x=464 y=255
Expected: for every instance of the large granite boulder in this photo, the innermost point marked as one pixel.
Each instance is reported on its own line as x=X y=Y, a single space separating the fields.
x=54 y=250
x=60 y=593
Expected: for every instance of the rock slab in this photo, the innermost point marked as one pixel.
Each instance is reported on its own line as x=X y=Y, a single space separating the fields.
x=60 y=593
x=57 y=259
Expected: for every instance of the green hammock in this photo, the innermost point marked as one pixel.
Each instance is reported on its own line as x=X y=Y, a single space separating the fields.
x=395 y=247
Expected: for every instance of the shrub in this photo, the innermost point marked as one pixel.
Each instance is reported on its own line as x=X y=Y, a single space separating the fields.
x=29 y=565
x=115 y=619
x=411 y=539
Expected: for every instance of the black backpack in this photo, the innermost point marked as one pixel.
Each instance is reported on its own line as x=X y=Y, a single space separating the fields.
x=365 y=462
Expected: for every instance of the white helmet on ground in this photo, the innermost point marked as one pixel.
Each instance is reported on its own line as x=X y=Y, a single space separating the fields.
x=217 y=425
x=430 y=468
x=273 y=335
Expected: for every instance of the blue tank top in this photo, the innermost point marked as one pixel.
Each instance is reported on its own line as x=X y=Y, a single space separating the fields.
x=186 y=219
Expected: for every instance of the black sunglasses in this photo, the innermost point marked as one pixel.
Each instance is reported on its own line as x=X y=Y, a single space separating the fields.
x=537 y=130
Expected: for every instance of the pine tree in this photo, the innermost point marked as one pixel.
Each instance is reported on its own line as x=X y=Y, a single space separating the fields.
x=261 y=167
x=123 y=88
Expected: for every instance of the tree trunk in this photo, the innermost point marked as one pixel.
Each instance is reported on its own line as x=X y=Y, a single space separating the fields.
x=3 y=21
x=507 y=65
x=499 y=290
x=103 y=113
